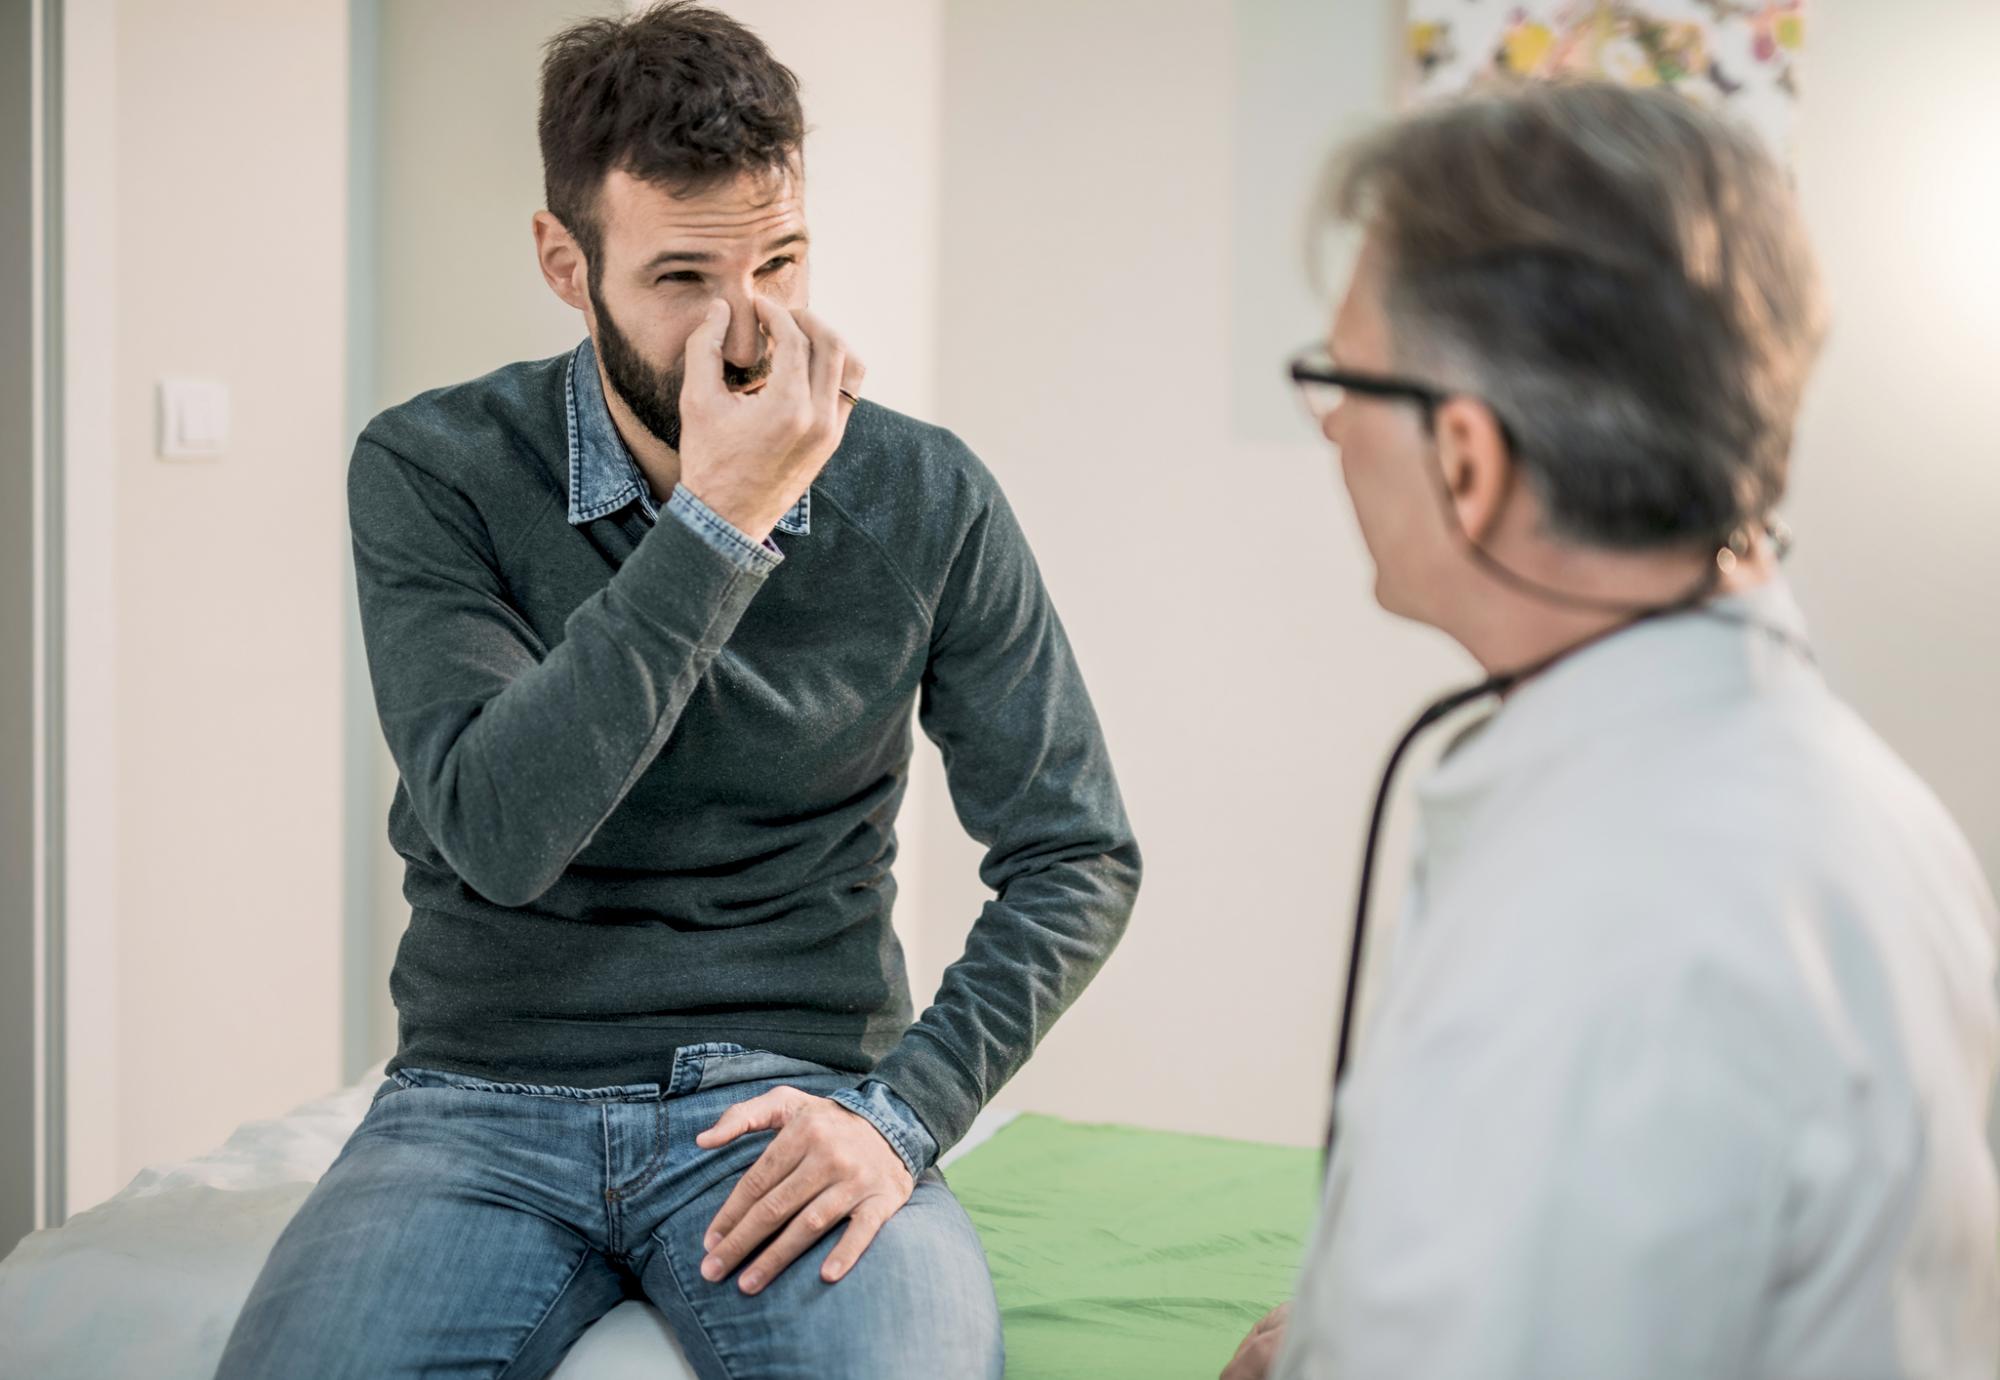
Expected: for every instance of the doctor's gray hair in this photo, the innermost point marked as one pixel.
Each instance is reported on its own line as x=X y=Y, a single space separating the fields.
x=1621 y=275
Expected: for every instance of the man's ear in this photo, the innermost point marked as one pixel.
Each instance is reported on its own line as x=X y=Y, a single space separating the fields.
x=1477 y=464
x=562 y=261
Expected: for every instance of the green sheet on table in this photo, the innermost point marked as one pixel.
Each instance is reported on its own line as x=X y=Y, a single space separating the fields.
x=1123 y=1254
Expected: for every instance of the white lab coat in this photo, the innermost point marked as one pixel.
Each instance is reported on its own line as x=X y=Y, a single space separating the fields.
x=1683 y=1060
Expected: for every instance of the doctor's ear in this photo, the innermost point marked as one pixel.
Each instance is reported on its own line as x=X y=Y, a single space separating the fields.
x=1477 y=462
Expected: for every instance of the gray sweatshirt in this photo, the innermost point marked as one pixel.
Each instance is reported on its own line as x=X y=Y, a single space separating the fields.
x=649 y=788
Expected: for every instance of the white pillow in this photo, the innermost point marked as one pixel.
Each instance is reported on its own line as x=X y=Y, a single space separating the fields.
x=149 y=1282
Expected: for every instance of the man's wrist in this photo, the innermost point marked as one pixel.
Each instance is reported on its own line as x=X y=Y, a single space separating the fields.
x=877 y=1103
x=753 y=514
x=753 y=554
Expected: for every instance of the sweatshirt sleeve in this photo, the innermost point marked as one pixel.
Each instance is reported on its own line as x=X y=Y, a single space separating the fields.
x=1031 y=780
x=514 y=753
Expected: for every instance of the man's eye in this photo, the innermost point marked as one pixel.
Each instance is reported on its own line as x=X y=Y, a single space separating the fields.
x=782 y=261
x=683 y=276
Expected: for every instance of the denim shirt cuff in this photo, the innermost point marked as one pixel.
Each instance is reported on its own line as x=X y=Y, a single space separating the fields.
x=877 y=1104
x=719 y=534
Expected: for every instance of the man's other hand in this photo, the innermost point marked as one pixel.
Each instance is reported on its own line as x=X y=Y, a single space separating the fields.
x=827 y=1166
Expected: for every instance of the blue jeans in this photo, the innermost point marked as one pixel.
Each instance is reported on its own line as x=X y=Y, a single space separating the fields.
x=476 y=1229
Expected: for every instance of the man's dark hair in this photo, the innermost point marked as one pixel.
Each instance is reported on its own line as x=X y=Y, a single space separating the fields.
x=679 y=95
x=1622 y=275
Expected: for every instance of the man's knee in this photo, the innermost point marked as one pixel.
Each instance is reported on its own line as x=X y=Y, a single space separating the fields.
x=929 y=1295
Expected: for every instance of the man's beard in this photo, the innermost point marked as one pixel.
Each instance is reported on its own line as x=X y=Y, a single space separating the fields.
x=652 y=393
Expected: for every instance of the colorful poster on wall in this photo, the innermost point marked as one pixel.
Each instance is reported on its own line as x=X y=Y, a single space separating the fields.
x=1738 y=54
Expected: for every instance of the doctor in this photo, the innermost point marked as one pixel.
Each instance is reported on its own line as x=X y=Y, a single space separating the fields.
x=1683 y=1062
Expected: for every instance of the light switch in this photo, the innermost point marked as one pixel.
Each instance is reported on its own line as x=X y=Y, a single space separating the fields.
x=194 y=418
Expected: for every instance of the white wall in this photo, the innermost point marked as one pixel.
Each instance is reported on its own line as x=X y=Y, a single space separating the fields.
x=91 y=465
x=226 y=247
x=1896 y=492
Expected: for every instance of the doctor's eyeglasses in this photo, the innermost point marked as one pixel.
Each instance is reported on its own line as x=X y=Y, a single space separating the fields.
x=1323 y=385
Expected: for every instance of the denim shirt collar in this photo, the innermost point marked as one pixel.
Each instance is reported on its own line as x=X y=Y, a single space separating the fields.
x=603 y=477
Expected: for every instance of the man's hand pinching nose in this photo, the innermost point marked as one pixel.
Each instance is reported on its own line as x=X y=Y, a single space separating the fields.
x=750 y=454
x=827 y=1166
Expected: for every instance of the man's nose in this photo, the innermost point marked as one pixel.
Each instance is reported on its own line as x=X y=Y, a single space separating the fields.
x=743 y=346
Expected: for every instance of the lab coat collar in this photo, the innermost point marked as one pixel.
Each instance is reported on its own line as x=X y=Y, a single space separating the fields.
x=1645 y=673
